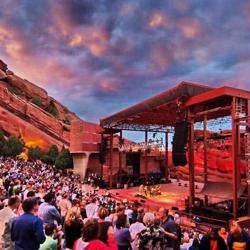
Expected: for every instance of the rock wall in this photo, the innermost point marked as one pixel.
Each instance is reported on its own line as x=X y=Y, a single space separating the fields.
x=20 y=116
x=219 y=163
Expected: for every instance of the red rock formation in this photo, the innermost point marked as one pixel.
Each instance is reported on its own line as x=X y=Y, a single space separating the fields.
x=219 y=161
x=19 y=116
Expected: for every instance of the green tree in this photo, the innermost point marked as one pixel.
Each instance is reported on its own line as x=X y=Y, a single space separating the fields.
x=37 y=101
x=2 y=142
x=34 y=153
x=64 y=160
x=13 y=146
x=51 y=155
x=14 y=90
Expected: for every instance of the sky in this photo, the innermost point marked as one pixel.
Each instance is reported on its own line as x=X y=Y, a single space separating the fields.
x=100 y=56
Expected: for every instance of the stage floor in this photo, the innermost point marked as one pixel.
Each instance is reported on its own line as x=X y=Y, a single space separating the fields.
x=172 y=195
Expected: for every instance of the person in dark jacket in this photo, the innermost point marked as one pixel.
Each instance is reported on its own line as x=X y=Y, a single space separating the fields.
x=238 y=238
x=27 y=229
x=212 y=241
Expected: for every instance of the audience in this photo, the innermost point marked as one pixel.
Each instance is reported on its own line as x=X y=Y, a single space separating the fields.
x=47 y=209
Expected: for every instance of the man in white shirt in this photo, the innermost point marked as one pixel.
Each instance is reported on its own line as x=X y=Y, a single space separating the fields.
x=7 y=215
x=136 y=227
x=92 y=209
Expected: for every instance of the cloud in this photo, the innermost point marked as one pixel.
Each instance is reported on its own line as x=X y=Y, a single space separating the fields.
x=111 y=54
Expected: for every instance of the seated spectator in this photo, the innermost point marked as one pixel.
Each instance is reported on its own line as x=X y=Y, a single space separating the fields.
x=50 y=243
x=27 y=229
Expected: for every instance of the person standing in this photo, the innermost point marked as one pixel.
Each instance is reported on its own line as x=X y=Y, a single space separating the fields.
x=72 y=228
x=64 y=205
x=92 y=209
x=50 y=243
x=212 y=241
x=7 y=215
x=27 y=229
x=47 y=211
x=168 y=227
x=238 y=238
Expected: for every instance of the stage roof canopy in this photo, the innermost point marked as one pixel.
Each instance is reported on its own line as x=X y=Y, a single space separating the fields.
x=157 y=113
x=160 y=112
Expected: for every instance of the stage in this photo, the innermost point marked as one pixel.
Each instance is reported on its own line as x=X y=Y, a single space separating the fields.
x=172 y=195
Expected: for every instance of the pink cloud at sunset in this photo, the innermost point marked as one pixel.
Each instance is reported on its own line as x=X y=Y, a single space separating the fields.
x=110 y=54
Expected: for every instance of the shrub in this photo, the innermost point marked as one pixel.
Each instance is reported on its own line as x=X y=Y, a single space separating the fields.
x=37 y=101
x=13 y=146
x=14 y=90
x=2 y=142
x=34 y=153
x=52 y=110
x=64 y=160
x=51 y=155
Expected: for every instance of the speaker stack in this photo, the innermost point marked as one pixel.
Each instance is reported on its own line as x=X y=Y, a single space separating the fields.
x=103 y=150
x=180 y=143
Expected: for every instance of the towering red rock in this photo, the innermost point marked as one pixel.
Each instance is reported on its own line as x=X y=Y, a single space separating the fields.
x=26 y=110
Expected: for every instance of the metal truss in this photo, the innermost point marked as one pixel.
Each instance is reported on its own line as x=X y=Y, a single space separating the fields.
x=216 y=124
x=139 y=127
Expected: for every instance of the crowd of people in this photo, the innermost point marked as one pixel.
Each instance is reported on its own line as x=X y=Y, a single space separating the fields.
x=49 y=209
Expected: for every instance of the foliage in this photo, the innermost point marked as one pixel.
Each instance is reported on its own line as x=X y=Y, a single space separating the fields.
x=37 y=101
x=2 y=142
x=52 y=110
x=13 y=146
x=51 y=155
x=64 y=160
x=34 y=153
x=14 y=90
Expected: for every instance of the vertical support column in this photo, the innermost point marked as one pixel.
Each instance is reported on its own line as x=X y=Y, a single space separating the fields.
x=205 y=154
x=234 y=158
x=111 y=160
x=146 y=155
x=120 y=159
x=166 y=156
x=102 y=138
x=191 y=160
x=248 y=177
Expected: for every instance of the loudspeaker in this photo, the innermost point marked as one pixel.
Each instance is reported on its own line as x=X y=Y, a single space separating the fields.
x=179 y=143
x=102 y=150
